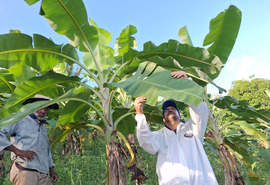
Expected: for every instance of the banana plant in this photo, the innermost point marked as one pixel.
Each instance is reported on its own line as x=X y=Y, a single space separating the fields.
x=139 y=73
x=233 y=127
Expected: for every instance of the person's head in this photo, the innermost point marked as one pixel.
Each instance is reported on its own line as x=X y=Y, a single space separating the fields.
x=41 y=114
x=170 y=112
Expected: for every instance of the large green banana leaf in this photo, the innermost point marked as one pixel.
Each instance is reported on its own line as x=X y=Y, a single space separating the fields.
x=160 y=83
x=24 y=111
x=72 y=94
x=223 y=32
x=197 y=75
x=70 y=18
x=6 y=82
x=50 y=84
x=184 y=54
x=17 y=49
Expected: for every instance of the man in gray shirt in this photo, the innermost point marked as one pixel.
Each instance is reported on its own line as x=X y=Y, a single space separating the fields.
x=30 y=148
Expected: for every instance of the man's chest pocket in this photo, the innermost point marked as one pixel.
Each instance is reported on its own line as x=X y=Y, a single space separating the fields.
x=188 y=134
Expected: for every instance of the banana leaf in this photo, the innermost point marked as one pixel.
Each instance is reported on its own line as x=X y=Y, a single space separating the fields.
x=184 y=36
x=184 y=54
x=70 y=18
x=51 y=84
x=223 y=33
x=125 y=41
x=127 y=125
x=141 y=84
x=17 y=49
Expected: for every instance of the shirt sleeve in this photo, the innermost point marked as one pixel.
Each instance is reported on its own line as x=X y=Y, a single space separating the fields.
x=198 y=120
x=148 y=140
x=4 y=142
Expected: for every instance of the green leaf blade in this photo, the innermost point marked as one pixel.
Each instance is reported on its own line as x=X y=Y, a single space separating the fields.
x=17 y=49
x=6 y=80
x=184 y=36
x=223 y=32
x=185 y=55
x=69 y=18
x=125 y=41
x=160 y=83
x=126 y=125
x=50 y=84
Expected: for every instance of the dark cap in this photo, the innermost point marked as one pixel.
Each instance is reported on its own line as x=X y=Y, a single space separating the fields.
x=168 y=103
x=39 y=97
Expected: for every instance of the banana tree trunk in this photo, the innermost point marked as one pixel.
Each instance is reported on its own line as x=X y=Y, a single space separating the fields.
x=116 y=166
x=231 y=172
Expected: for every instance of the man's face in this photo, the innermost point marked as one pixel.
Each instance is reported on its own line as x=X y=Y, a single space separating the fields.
x=41 y=114
x=171 y=114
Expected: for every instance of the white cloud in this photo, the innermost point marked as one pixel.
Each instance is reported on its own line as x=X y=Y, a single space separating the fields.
x=244 y=67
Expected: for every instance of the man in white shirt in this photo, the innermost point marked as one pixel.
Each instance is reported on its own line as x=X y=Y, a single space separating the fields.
x=179 y=146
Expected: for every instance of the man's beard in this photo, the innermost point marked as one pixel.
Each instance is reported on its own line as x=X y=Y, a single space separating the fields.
x=39 y=116
x=175 y=117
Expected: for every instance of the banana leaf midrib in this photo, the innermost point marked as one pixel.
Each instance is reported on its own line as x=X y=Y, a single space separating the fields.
x=51 y=52
x=3 y=80
x=174 y=54
x=39 y=51
x=43 y=87
x=85 y=39
x=79 y=28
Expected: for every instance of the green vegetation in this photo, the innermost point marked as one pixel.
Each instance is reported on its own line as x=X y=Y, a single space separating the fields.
x=252 y=91
x=238 y=135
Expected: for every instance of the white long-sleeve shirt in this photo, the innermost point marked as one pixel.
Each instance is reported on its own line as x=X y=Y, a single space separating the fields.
x=28 y=135
x=181 y=157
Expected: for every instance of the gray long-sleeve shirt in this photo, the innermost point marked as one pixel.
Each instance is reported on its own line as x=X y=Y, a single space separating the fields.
x=28 y=135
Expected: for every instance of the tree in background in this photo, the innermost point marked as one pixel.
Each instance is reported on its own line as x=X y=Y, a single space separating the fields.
x=252 y=91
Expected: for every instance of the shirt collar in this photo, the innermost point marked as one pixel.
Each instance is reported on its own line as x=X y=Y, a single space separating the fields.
x=171 y=129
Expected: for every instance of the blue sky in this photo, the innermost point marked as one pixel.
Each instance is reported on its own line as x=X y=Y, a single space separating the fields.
x=158 y=21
